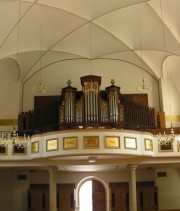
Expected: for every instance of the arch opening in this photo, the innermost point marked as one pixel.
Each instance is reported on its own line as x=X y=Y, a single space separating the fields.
x=92 y=194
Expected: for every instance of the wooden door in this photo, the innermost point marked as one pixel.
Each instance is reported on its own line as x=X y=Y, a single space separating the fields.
x=65 y=197
x=149 y=198
x=146 y=196
x=99 y=199
x=119 y=199
x=35 y=200
x=46 y=200
x=38 y=200
x=38 y=197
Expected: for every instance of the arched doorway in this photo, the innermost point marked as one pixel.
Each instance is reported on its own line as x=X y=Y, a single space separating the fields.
x=92 y=195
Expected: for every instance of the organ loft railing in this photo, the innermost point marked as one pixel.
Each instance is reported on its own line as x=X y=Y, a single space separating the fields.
x=90 y=107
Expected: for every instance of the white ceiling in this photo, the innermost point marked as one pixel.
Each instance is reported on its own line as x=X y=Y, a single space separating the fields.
x=103 y=163
x=125 y=30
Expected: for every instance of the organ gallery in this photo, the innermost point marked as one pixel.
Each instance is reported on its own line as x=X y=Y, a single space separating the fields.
x=90 y=107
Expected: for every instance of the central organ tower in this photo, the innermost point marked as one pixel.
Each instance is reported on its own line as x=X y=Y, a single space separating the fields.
x=91 y=106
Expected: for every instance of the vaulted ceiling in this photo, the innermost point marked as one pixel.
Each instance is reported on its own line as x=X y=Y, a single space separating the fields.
x=143 y=33
x=59 y=30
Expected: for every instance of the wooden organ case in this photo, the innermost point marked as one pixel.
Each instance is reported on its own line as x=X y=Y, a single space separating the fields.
x=93 y=107
x=90 y=107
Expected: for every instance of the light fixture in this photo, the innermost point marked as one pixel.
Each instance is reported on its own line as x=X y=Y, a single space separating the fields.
x=142 y=87
x=92 y=159
x=40 y=88
x=19 y=16
x=177 y=138
x=164 y=139
x=13 y=139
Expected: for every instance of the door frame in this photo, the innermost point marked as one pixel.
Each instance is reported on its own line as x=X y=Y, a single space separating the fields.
x=78 y=187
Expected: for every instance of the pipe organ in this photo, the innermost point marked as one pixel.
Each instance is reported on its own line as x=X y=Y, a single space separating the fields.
x=90 y=86
x=113 y=102
x=68 y=109
x=90 y=107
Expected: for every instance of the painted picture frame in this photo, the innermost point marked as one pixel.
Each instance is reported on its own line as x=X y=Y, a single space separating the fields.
x=130 y=143
x=112 y=142
x=52 y=144
x=91 y=142
x=70 y=143
x=34 y=147
x=19 y=150
x=3 y=150
x=165 y=148
x=148 y=143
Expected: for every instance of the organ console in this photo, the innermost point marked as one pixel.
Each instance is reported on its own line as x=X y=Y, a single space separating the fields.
x=90 y=107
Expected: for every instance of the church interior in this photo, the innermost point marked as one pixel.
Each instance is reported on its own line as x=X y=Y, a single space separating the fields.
x=89 y=98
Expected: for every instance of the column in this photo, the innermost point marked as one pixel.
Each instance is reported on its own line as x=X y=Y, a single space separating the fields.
x=52 y=189
x=132 y=187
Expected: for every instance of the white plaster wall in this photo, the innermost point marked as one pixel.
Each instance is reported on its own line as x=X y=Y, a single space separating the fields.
x=170 y=101
x=169 y=188
x=76 y=177
x=170 y=89
x=13 y=192
x=170 y=75
x=10 y=89
x=55 y=77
